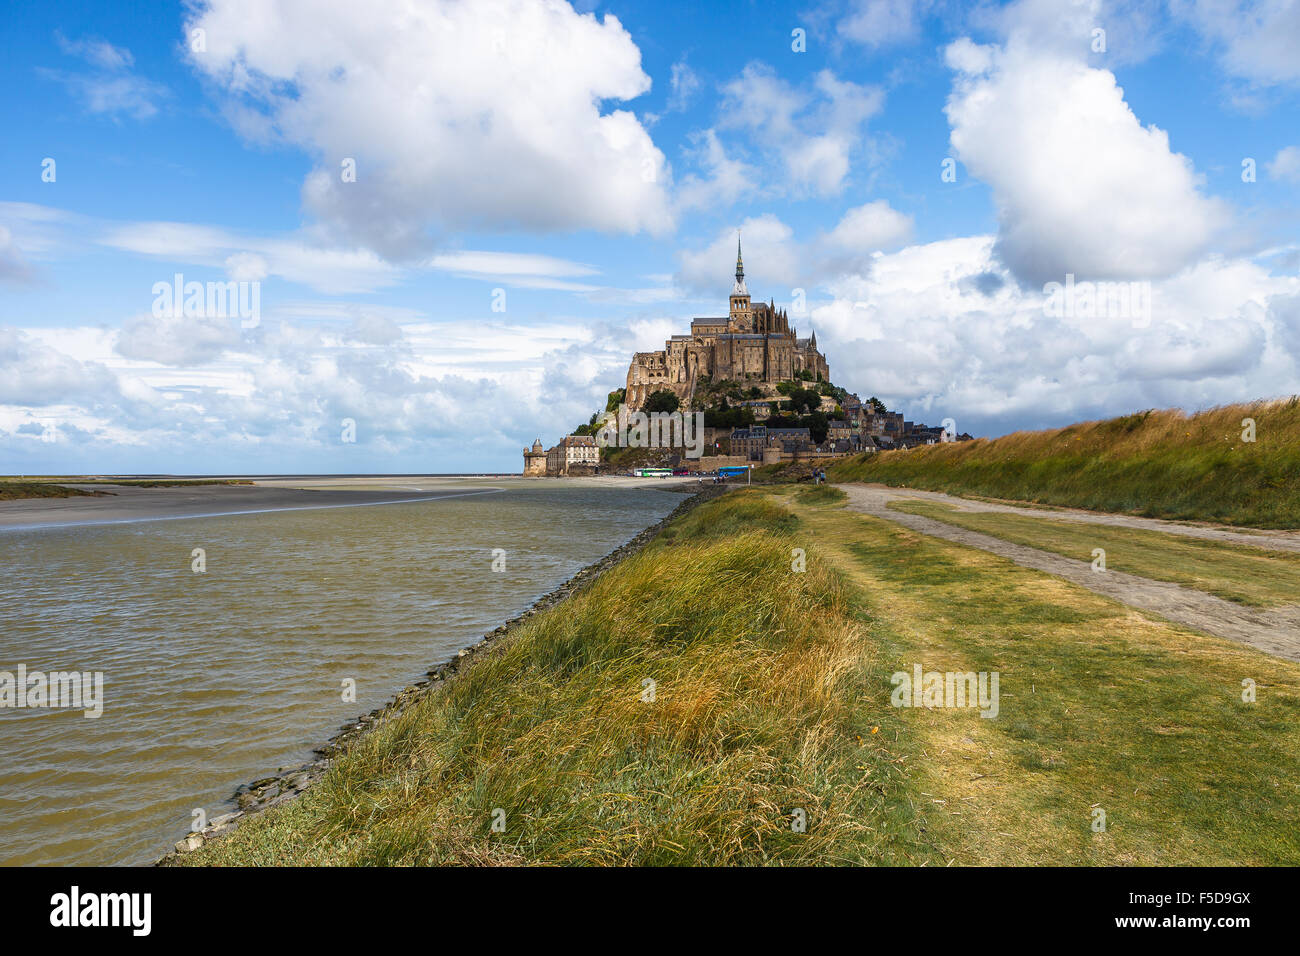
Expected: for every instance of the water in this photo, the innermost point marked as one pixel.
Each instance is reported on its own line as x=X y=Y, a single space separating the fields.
x=218 y=678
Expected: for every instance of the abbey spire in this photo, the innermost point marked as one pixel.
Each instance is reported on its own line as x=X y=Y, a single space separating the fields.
x=739 y=287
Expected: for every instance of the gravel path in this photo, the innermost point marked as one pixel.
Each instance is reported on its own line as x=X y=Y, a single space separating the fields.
x=1273 y=540
x=1275 y=630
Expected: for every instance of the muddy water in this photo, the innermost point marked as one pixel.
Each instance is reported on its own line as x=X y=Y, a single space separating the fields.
x=214 y=678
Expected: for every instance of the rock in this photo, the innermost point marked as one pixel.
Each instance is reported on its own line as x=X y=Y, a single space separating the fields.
x=190 y=843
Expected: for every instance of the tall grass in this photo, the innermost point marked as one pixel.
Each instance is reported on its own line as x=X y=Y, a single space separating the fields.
x=757 y=713
x=1163 y=464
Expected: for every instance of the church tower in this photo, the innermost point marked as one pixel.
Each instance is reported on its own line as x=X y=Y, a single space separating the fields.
x=741 y=313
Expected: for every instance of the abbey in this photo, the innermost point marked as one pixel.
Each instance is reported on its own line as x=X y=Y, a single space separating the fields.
x=753 y=344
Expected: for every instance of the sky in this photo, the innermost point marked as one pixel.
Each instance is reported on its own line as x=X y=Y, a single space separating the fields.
x=452 y=223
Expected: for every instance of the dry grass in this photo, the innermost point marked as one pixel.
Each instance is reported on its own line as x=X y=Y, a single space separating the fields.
x=1101 y=707
x=1244 y=574
x=760 y=676
x=772 y=694
x=1163 y=464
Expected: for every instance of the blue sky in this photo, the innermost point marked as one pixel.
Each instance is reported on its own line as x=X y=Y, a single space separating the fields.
x=594 y=163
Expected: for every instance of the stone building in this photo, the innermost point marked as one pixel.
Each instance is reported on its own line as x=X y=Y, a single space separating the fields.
x=535 y=461
x=574 y=455
x=752 y=344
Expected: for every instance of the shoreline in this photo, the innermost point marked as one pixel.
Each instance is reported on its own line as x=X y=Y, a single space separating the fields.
x=109 y=505
x=289 y=783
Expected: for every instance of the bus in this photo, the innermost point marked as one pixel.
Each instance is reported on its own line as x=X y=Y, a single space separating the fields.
x=732 y=471
x=652 y=473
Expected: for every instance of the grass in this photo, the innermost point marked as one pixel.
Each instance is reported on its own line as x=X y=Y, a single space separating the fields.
x=760 y=676
x=820 y=495
x=771 y=695
x=13 y=490
x=1102 y=707
x=1162 y=464
x=1247 y=575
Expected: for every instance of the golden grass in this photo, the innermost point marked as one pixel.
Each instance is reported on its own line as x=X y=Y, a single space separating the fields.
x=772 y=695
x=757 y=713
x=1164 y=464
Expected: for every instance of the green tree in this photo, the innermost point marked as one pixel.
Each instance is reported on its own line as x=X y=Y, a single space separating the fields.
x=818 y=426
x=805 y=400
x=661 y=401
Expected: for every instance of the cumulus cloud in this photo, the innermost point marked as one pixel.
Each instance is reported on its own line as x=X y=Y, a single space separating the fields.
x=1081 y=186
x=1286 y=165
x=772 y=261
x=942 y=329
x=872 y=227
x=34 y=375
x=456 y=395
x=815 y=132
x=725 y=180
x=486 y=115
x=777 y=261
x=180 y=340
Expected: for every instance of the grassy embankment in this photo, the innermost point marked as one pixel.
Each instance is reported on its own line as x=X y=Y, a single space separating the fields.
x=1161 y=464
x=772 y=694
x=1242 y=573
x=13 y=490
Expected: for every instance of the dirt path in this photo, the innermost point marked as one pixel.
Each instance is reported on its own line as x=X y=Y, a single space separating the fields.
x=1276 y=630
x=1274 y=540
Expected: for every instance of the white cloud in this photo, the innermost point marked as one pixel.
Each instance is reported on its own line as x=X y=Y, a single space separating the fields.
x=1081 y=186
x=110 y=88
x=485 y=115
x=683 y=83
x=816 y=133
x=295 y=258
x=97 y=52
x=727 y=179
x=34 y=375
x=1257 y=40
x=882 y=23
x=942 y=329
x=180 y=341
x=511 y=264
x=871 y=227
x=13 y=264
x=771 y=261
x=776 y=261
x=1286 y=165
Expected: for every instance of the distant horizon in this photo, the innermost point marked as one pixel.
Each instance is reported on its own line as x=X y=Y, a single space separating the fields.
x=515 y=472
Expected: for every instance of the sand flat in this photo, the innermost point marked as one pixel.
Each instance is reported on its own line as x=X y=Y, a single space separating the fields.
x=128 y=503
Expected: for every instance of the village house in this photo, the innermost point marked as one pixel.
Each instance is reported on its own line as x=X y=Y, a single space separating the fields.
x=574 y=455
